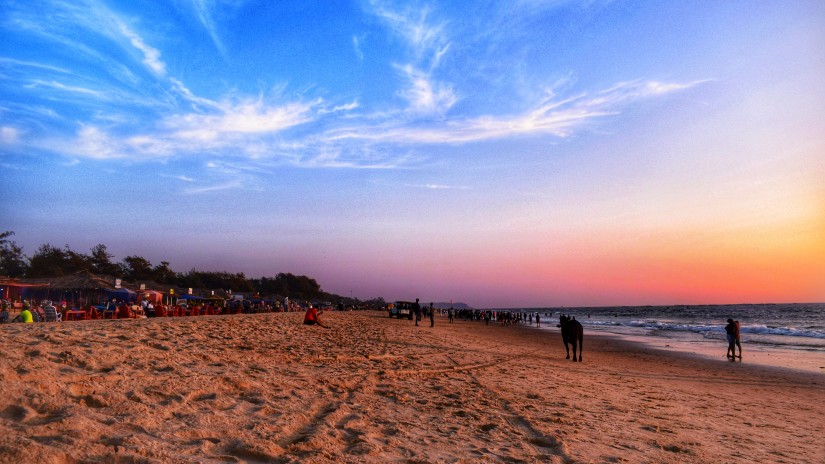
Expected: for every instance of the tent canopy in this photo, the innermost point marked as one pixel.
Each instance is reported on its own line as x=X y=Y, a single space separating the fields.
x=122 y=294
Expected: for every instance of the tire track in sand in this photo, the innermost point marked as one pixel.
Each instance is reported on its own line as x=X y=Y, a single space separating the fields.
x=540 y=442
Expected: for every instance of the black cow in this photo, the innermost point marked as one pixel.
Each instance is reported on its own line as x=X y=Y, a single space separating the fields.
x=572 y=332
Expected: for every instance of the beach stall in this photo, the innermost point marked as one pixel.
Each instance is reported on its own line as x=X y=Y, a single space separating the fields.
x=122 y=294
x=12 y=289
x=154 y=296
x=81 y=288
x=16 y=290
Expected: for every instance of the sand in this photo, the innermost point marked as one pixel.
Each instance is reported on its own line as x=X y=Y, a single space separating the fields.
x=264 y=388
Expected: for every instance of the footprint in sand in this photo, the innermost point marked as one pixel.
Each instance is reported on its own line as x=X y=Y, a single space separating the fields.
x=18 y=413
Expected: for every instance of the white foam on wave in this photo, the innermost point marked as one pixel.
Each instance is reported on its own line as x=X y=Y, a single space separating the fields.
x=709 y=328
x=788 y=331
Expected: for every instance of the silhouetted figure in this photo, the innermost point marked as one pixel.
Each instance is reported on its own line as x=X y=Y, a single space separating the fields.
x=734 y=340
x=572 y=332
x=737 y=339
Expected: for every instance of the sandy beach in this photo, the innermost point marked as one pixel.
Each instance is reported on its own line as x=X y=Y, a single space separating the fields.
x=264 y=388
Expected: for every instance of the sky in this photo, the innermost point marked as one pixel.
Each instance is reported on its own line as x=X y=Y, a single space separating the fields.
x=513 y=153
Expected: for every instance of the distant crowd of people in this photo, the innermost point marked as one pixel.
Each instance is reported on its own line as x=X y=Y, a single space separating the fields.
x=502 y=317
x=29 y=311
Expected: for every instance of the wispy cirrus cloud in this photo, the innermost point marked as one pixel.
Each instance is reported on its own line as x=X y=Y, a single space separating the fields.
x=123 y=120
x=242 y=128
x=550 y=116
x=12 y=63
x=246 y=128
x=438 y=186
x=93 y=17
x=346 y=107
x=414 y=23
x=65 y=88
x=245 y=117
x=424 y=95
x=428 y=40
x=228 y=185
x=205 y=11
x=151 y=56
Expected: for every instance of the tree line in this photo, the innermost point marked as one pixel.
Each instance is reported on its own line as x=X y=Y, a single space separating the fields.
x=51 y=261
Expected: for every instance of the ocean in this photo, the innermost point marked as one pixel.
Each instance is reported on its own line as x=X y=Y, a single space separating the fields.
x=795 y=330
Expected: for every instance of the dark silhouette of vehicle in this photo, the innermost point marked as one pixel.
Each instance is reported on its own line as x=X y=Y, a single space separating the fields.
x=401 y=309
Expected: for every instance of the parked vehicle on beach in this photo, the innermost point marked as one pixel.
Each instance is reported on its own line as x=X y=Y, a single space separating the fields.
x=401 y=309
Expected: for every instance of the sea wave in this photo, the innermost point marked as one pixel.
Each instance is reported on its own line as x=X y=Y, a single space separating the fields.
x=787 y=331
x=709 y=328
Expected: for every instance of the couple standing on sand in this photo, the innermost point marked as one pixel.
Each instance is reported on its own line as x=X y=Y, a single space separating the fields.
x=732 y=331
x=417 y=310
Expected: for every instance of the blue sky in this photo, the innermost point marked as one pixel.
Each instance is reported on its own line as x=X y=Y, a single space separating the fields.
x=501 y=153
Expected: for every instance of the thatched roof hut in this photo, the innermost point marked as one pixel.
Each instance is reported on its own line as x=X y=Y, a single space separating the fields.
x=12 y=288
x=81 y=287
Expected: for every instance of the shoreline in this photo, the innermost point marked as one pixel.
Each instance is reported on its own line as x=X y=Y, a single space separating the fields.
x=782 y=357
x=264 y=388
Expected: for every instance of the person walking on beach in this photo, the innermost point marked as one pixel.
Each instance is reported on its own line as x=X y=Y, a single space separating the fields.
x=432 y=315
x=311 y=317
x=417 y=311
x=538 y=320
x=450 y=315
x=737 y=340
x=730 y=334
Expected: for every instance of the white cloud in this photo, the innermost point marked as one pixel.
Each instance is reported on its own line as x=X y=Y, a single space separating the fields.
x=255 y=129
x=66 y=88
x=640 y=89
x=189 y=96
x=235 y=129
x=426 y=37
x=245 y=117
x=151 y=56
x=429 y=41
x=426 y=96
x=229 y=185
x=549 y=116
x=356 y=44
x=347 y=107
x=439 y=187
x=93 y=18
x=30 y=64
x=9 y=135
x=94 y=143
x=203 y=10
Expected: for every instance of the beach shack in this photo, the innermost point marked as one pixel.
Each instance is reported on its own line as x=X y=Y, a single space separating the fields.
x=12 y=289
x=81 y=288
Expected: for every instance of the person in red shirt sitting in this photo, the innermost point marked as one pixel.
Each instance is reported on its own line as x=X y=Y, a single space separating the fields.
x=124 y=312
x=312 y=317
